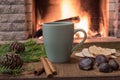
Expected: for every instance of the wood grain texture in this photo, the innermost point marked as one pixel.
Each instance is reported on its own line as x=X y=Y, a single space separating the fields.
x=69 y=70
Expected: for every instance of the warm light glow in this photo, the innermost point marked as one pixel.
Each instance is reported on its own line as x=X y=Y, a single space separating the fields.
x=69 y=9
x=83 y=24
x=65 y=9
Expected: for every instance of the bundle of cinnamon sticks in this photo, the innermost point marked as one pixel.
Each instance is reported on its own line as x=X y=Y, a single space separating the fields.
x=47 y=67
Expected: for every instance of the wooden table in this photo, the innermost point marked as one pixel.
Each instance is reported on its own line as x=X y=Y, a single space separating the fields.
x=69 y=70
x=66 y=71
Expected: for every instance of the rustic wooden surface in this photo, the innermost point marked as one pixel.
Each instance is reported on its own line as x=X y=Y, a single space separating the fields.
x=66 y=71
x=69 y=70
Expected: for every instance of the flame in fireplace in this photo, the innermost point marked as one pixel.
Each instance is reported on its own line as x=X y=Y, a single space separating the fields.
x=83 y=24
x=65 y=9
x=69 y=9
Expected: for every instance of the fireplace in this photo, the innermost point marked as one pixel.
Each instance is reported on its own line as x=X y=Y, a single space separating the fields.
x=20 y=19
x=95 y=15
x=91 y=14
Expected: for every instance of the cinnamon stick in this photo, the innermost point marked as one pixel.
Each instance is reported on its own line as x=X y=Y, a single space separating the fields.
x=46 y=68
x=39 y=71
x=51 y=67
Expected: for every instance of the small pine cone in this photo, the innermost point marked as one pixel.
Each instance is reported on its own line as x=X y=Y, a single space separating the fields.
x=17 y=47
x=11 y=60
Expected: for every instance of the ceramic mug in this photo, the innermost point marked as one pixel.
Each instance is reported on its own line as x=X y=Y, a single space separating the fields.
x=58 y=40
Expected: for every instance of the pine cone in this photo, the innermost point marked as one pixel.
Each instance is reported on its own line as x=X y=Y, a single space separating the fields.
x=17 y=47
x=11 y=60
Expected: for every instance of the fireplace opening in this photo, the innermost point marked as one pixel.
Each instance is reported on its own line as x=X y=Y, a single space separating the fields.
x=90 y=15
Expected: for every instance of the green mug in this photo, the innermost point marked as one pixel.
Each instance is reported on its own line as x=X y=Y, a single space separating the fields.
x=58 y=40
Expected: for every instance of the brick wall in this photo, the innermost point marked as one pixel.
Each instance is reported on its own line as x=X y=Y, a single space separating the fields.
x=28 y=19
x=118 y=30
x=114 y=20
x=12 y=20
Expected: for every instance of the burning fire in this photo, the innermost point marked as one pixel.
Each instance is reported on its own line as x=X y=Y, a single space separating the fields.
x=71 y=8
x=83 y=24
x=68 y=10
